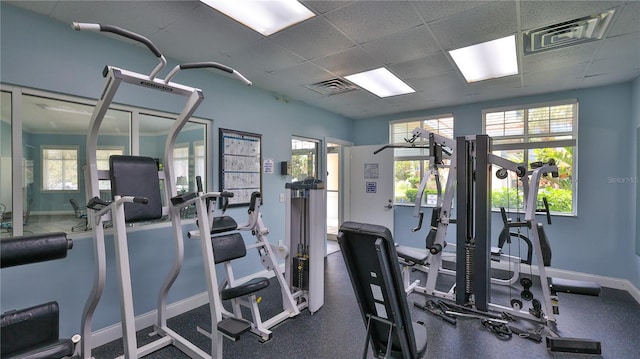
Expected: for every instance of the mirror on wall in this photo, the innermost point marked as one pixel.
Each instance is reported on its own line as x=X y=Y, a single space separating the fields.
x=189 y=153
x=54 y=136
x=53 y=156
x=6 y=180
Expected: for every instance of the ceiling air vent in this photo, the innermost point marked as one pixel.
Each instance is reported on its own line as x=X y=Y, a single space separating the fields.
x=332 y=87
x=568 y=33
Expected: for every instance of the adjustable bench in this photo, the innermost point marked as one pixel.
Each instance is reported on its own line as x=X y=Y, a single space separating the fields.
x=34 y=332
x=372 y=262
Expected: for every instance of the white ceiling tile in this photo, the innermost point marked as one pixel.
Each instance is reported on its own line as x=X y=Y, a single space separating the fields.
x=556 y=58
x=213 y=32
x=568 y=75
x=348 y=62
x=612 y=65
x=429 y=85
x=627 y=20
x=326 y=39
x=124 y=13
x=623 y=45
x=305 y=73
x=438 y=9
x=427 y=66
x=322 y=6
x=270 y=57
x=364 y=21
x=480 y=24
x=403 y=46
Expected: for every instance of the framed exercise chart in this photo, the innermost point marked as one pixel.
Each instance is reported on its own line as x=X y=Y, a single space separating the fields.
x=240 y=165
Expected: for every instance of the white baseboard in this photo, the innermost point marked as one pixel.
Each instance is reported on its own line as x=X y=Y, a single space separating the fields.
x=114 y=332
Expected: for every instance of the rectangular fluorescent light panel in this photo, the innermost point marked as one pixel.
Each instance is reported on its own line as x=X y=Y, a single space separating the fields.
x=487 y=60
x=381 y=82
x=265 y=17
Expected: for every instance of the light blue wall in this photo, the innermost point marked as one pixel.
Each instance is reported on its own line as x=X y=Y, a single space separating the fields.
x=48 y=55
x=600 y=240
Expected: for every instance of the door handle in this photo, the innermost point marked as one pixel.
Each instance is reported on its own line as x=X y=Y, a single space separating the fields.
x=389 y=205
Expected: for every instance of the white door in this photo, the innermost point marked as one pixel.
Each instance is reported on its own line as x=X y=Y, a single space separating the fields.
x=371 y=182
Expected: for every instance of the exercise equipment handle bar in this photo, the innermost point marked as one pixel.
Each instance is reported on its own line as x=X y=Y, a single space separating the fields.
x=79 y=26
x=202 y=65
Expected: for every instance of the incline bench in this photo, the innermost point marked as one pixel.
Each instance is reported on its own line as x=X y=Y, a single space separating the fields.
x=370 y=256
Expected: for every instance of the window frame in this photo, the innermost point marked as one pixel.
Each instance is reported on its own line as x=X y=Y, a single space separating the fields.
x=45 y=159
x=526 y=145
x=421 y=154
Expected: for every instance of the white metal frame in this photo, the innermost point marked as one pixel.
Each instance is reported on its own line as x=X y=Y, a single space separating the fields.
x=114 y=77
x=434 y=268
x=268 y=256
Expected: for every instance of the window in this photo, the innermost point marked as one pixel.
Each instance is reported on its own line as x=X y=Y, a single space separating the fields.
x=410 y=165
x=199 y=152
x=527 y=134
x=102 y=163
x=103 y=154
x=181 y=167
x=59 y=169
x=304 y=159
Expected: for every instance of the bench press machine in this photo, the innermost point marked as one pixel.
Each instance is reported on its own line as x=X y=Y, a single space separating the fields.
x=137 y=196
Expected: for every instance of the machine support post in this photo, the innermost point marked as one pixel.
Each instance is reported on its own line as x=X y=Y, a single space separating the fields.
x=473 y=238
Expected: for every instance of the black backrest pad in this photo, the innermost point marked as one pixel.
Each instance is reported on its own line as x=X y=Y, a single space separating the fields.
x=544 y=245
x=367 y=250
x=29 y=327
x=34 y=248
x=136 y=176
x=228 y=247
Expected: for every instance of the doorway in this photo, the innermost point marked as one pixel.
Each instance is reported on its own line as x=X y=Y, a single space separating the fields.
x=333 y=192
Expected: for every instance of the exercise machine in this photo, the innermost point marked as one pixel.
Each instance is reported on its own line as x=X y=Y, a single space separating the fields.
x=372 y=263
x=137 y=196
x=34 y=332
x=222 y=242
x=305 y=233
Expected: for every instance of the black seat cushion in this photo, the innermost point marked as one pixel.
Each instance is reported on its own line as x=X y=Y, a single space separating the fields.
x=223 y=224
x=249 y=287
x=53 y=349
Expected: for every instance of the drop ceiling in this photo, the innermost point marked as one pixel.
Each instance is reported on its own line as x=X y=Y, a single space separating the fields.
x=410 y=38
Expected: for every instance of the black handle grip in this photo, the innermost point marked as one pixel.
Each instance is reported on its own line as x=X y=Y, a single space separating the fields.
x=420 y=218
x=201 y=65
x=97 y=204
x=133 y=36
x=226 y=194
x=546 y=208
x=143 y=200
x=199 y=184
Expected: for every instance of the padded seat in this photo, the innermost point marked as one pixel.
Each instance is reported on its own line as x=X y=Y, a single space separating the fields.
x=249 y=287
x=223 y=224
x=226 y=248
x=53 y=349
x=414 y=255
